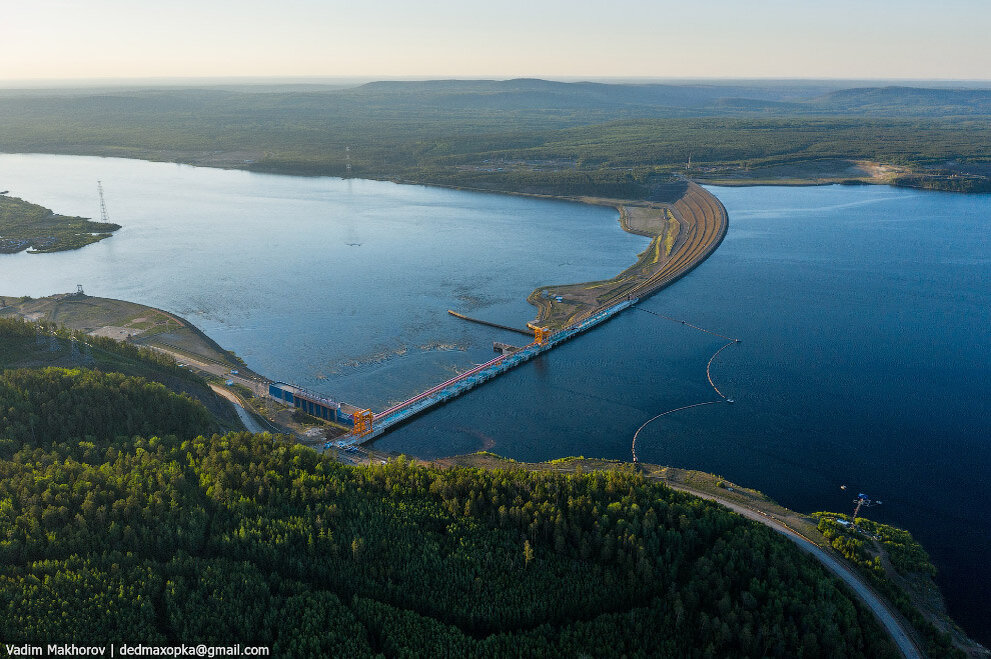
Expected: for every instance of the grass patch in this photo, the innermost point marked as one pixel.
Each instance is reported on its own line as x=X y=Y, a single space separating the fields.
x=27 y=226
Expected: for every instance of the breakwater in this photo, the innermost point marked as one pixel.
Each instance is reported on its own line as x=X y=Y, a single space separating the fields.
x=489 y=323
x=480 y=374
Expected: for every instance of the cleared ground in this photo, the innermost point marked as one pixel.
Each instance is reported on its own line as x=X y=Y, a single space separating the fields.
x=683 y=233
x=124 y=321
x=823 y=171
x=176 y=337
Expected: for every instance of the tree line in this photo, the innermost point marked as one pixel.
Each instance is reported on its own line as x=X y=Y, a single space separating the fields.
x=123 y=518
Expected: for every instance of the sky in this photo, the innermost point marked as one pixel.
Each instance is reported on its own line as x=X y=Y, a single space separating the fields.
x=106 y=39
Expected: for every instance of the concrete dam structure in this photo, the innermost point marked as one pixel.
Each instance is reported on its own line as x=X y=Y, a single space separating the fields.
x=313 y=404
x=703 y=224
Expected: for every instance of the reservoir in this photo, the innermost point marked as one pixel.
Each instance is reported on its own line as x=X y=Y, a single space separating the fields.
x=863 y=314
x=339 y=286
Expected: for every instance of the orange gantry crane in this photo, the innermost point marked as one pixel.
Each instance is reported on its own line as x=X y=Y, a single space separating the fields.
x=540 y=334
x=362 y=423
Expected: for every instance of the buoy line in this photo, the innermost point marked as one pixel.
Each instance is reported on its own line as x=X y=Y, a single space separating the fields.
x=708 y=372
x=677 y=409
x=685 y=322
x=708 y=375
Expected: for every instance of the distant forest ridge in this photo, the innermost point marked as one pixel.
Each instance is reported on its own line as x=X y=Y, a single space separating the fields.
x=785 y=97
x=663 y=99
x=529 y=135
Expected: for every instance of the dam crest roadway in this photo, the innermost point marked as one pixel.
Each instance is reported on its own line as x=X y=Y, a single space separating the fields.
x=683 y=234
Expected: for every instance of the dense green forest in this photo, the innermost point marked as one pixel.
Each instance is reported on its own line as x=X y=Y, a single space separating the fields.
x=861 y=543
x=123 y=519
x=522 y=135
x=43 y=344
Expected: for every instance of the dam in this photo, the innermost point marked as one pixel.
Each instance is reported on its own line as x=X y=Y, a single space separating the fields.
x=702 y=222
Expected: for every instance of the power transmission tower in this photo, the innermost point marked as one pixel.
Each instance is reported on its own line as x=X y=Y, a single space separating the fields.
x=862 y=501
x=103 y=206
x=347 y=159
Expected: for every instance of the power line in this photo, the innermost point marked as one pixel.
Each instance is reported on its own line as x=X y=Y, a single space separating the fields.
x=103 y=205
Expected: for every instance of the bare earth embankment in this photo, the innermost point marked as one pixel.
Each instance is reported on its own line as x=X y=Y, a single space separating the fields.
x=126 y=321
x=683 y=233
x=138 y=325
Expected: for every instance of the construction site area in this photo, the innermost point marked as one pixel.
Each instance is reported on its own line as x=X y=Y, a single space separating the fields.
x=683 y=234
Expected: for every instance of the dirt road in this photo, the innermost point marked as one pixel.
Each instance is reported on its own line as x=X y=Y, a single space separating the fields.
x=891 y=621
x=220 y=370
x=249 y=423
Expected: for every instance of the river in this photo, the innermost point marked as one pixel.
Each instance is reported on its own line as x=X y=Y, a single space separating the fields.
x=863 y=314
x=341 y=286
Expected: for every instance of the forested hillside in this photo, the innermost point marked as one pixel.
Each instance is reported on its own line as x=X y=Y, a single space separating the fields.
x=177 y=536
x=44 y=344
x=525 y=135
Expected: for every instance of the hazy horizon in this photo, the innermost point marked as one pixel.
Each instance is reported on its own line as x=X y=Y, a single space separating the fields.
x=60 y=41
x=351 y=81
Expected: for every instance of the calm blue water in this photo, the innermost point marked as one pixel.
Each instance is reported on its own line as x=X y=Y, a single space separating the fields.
x=865 y=360
x=339 y=286
x=863 y=313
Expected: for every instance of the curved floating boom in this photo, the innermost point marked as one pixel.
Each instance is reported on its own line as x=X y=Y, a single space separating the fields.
x=708 y=375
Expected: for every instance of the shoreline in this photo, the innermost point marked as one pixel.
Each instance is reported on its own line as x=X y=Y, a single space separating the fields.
x=252 y=167
x=749 y=503
x=36 y=229
x=755 y=505
x=598 y=201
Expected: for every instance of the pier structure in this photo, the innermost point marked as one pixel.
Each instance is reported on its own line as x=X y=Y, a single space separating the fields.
x=489 y=323
x=543 y=341
x=704 y=223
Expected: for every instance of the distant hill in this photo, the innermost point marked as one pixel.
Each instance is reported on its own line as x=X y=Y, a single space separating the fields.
x=445 y=97
x=532 y=93
x=907 y=101
x=566 y=138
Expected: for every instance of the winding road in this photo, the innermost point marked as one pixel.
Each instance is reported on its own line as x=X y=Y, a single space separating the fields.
x=891 y=621
x=249 y=423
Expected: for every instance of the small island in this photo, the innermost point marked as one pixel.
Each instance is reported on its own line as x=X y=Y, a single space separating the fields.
x=27 y=226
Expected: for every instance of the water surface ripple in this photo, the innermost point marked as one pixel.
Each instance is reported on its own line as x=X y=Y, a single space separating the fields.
x=863 y=313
